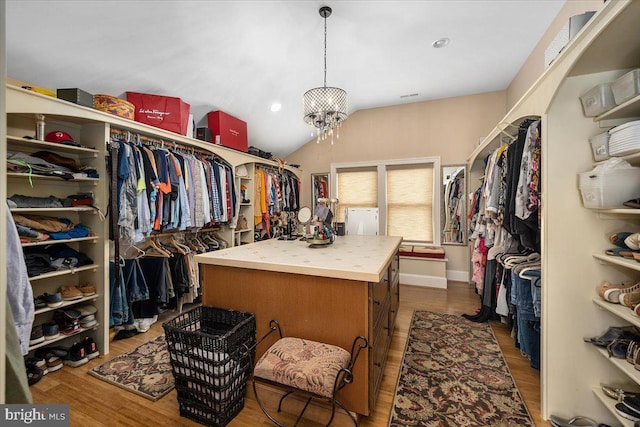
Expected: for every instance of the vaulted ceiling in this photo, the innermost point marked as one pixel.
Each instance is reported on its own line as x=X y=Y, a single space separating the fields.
x=242 y=56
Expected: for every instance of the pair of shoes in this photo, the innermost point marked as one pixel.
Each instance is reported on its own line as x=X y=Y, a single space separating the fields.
x=53 y=300
x=50 y=331
x=73 y=356
x=633 y=203
x=124 y=334
x=90 y=348
x=87 y=317
x=52 y=361
x=39 y=302
x=612 y=293
x=573 y=422
x=37 y=335
x=614 y=333
x=34 y=374
x=627 y=409
x=39 y=363
x=617 y=393
x=87 y=290
x=619 y=239
x=67 y=320
x=625 y=253
x=70 y=293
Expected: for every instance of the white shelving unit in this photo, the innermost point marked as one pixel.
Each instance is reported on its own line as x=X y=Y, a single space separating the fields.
x=243 y=236
x=607 y=47
x=92 y=130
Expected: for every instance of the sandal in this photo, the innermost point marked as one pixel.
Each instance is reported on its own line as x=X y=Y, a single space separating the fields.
x=633 y=241
x=618 y=239
x=573 y=422
x=633 y=203
x=625 y=253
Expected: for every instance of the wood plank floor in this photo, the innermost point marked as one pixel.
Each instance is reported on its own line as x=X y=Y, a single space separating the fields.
x=96 y=403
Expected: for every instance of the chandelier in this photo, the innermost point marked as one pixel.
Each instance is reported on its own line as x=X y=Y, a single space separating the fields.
x=325 y=108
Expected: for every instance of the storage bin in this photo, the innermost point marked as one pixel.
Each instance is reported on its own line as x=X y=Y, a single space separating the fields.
x=165 y=112
x=227 y=130
x=77 y=96
x=609 y=189
x=626 y=86
x=598 y=100
x=600 y=146
x=211 y=352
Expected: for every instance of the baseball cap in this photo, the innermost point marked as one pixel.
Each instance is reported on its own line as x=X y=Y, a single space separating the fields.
x=60 y=137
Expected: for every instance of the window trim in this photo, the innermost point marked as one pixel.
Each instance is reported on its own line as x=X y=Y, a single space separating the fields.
x=381 y=166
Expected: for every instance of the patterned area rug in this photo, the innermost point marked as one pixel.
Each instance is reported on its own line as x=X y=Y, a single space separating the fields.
x=145 y=371
x=454 y=374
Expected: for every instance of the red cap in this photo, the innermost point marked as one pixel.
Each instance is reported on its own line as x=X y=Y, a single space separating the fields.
x=60 y=137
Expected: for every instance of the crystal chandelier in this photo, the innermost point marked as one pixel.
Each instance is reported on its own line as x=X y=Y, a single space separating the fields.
x=325 y=108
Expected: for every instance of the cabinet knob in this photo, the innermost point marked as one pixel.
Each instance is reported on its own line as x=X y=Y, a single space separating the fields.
x=378 y=364
x=376 y=302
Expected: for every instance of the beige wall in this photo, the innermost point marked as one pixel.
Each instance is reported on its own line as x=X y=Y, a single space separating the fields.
x=449 y=128
x=534 y=65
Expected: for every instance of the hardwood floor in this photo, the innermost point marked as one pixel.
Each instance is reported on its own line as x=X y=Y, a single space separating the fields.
x=96 y=403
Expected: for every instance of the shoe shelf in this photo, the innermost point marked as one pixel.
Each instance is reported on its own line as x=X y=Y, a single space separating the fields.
x=610 y=405
x=245 y=204
x=51 y=242
x=78 y=209
x=616 y=260
x=62 y=337
x=36 y=176
x=619 y=310
x=621 y=364
x=25 y=142
x=66 y=304
x=64 y=272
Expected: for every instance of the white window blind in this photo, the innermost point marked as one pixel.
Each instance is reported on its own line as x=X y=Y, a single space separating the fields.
x=410 y=202
x=357 y=188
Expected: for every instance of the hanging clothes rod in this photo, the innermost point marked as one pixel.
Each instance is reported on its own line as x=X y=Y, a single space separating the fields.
x=173 y=233
x=134 y=137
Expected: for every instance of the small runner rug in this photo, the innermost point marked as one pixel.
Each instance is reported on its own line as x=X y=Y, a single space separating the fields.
x=145 y=371
x=454 y=374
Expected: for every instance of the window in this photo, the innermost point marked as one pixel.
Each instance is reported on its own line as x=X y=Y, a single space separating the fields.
x=402 y=190
x=358 y=188
x=410 y=202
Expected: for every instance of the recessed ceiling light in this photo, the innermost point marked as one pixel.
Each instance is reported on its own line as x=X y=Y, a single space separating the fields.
x=275 y=107
x=441 y=42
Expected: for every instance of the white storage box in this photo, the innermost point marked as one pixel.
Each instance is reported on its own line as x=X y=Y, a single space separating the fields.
x=598 y=100
x=626 y=86
x=609 y=189
x=600 y=146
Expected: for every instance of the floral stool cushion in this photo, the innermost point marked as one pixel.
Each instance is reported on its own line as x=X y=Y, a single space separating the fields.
x=303 y=364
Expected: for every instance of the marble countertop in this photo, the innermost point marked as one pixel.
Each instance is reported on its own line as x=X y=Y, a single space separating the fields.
x=349 y=257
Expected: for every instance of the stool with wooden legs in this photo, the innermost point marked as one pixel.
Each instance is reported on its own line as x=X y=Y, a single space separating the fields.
x=309 y=368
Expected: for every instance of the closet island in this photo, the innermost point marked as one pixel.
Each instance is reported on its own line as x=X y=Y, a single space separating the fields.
x=328 y=294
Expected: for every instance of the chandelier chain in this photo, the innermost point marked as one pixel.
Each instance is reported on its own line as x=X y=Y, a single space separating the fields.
x=325 y=51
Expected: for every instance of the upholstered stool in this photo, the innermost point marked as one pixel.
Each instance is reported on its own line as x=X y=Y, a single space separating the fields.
x=315 y=369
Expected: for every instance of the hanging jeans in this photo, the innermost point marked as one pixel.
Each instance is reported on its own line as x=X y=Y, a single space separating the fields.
x=528 y=334
x=119 y=308
x=136 y=284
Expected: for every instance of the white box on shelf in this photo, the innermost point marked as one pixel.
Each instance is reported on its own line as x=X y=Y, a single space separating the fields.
x=597 y=100
x=626 y=86
x=609 y=188
x=600 y=146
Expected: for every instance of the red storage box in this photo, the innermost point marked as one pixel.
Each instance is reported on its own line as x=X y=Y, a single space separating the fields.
x=232 y=132
x=165 y=112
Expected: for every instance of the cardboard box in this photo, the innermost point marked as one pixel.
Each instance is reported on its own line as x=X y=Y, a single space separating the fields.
x=165 y=112
x=77 y=96
x=227 y=130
